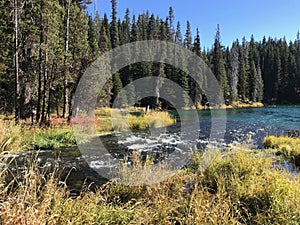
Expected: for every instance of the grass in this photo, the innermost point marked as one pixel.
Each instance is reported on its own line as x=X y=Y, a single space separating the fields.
x=239 y=187
x=235 y=104
x=131 y=119
x=57 y=138
x=14 y=138
x=23 y=137
x=17 y=138
x=287 y=147
x=239 y=104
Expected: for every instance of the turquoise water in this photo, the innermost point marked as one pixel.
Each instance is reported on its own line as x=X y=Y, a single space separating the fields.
x=280 y=117
x=240 y=123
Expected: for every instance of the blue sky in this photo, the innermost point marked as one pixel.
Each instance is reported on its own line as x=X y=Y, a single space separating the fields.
x=237 y=18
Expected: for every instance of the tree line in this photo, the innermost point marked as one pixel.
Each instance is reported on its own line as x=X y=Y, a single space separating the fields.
x=46 y=46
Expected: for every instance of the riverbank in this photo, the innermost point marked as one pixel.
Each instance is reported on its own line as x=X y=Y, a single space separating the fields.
x=233 y=105
x=287 y=148
x=22 y=137
x=240 y=186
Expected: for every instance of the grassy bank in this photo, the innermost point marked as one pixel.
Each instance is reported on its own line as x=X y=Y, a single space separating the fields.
x=233 y=105
x=132 y=119
x=286 y=147
x=17 y=138
x=239 y=104
x=241 y=187
x=22 y=137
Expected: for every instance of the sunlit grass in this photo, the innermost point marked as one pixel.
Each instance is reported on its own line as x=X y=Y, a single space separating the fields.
x=14 y=137
x=239 y=104
x=54 y=138
x=288 y=147
x=22 y=137
x=131 y=120
x=238 y=187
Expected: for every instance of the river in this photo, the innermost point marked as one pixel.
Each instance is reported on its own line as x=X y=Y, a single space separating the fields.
x=247 y=125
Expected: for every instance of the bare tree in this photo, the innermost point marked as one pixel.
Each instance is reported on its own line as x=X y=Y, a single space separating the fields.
x=16 y=17
x=234 y=71
x=66 y=89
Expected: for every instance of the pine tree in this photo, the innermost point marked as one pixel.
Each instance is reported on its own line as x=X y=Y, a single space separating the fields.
x=134 y=32
x=104 y=42
x=114 y=35
x=125 y=29
x=92 y=39
x=234 y=70
x=197 y=46
x=97 y=24
x=259 y=86
x=243 y=75
x=219 y=65
x=195 y=89
x=17 y=101
x=6 y=58
x=291 y=96
x=188 y=37
x=284 y=77
x=171 y=29
x=178 y=35
x=255 y=85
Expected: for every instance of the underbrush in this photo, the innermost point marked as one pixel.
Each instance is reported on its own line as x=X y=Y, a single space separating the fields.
x=236 y=188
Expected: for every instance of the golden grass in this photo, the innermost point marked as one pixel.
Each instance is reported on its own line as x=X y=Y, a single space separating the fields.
x=288 y=147
x=237 y=188
x=133 y=120
x=239 y=104
x=13 y=137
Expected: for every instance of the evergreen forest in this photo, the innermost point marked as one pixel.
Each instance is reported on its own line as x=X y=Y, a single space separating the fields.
x=46 y=46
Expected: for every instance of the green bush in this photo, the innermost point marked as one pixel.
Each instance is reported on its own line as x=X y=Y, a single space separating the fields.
x=54 y=139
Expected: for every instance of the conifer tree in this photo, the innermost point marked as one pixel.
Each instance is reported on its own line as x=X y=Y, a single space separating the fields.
x=178 y=35
x=234 y=70
x=92 y=39
x=219 y=64
x=188 y=37
x=171 y=29
x=6 y=58
x=114 y=34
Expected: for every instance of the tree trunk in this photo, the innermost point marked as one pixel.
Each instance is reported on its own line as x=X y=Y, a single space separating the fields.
x=45 y=78
x=66 y=89
x=39 y=100
x=159 y=82
x=16 y=61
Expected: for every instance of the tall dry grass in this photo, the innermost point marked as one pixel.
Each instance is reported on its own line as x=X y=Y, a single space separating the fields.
x=241 y=187
x=14 y=137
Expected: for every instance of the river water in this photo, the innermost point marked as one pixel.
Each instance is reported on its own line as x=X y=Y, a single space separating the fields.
x=248 y=125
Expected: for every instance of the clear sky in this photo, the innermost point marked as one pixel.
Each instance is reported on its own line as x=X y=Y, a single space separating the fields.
x=237 y=18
